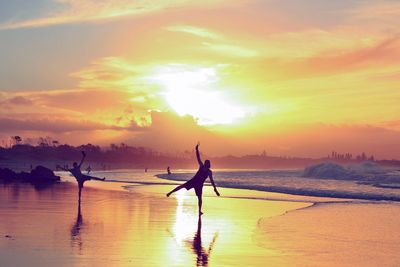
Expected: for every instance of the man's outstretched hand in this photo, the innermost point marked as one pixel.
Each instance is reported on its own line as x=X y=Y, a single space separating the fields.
x=216 y=192
x=198 y=144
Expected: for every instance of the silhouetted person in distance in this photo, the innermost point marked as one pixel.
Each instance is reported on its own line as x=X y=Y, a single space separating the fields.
x=80 y=178
x=198 y=180
x=88 y=169
x=168 y=170
x=202 y=255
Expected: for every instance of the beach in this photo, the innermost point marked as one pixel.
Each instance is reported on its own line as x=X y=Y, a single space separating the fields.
x=137 y=225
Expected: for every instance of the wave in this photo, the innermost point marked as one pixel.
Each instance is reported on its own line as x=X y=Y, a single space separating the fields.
x=294 y=183
x=331 y=170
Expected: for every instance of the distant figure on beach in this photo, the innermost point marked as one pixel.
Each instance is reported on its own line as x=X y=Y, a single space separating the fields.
x=80 y=178
x=168 y=170
x=198 y=180
x=145 y=169
x=88 y=169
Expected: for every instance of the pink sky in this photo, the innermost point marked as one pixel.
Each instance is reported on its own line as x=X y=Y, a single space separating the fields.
x=298 y=78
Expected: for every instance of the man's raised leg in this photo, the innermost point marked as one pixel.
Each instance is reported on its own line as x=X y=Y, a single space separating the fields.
x=175 y=189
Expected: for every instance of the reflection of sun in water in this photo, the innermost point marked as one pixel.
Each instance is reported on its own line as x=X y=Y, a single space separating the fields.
x=194 y=91
x=185 y=222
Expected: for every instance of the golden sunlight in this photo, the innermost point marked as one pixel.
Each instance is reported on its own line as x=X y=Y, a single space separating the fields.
x=192 y=90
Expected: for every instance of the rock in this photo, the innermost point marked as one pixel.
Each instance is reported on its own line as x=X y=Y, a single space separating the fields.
x=7 y=175
x=43 y=175
x=38 y=175
x=23 y=176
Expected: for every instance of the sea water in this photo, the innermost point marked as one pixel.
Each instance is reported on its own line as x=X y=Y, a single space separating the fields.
x=382 y=185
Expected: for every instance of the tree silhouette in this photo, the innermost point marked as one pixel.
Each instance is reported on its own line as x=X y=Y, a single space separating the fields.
x=17 y=139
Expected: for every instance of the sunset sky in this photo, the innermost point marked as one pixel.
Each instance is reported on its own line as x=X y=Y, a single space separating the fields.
x=296 y=78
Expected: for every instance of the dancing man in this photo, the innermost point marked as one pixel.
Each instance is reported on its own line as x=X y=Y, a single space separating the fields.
x=197 y=182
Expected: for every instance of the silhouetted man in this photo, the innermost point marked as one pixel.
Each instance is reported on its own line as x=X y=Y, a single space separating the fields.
x=198 y=180
x=80 y=178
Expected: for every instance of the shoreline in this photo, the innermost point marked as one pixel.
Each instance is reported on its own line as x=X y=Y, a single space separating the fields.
x=312 y=193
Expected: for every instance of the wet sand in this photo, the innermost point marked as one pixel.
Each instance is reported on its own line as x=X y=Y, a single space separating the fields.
x=337 y=234
x=141 y=227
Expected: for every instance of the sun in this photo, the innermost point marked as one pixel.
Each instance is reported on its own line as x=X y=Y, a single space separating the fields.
x=193 y=90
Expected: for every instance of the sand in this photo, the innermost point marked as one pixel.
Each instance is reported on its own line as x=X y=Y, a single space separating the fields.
x=141 y=227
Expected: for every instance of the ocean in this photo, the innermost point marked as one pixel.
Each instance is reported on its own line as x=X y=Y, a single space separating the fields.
x=360 y=182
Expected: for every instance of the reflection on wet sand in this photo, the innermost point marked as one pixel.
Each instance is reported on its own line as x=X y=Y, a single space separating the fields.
x=197 y=247
x=183 y=228
x=76 y=238
x=129 y=229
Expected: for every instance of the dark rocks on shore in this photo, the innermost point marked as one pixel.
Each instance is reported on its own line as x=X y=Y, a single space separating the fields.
x=39 y=175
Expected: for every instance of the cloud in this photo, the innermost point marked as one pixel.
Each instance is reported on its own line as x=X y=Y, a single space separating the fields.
x=20 y=100
x=65 y=130
x=216 y=42
x=231 y=50
x=381 y=53
x=68 y=100
x=114 y=109
x=84 y=101
x=196 y=31
x=387 y=76
x=366 y=60
x=173 y=133
x=107 y=73
x=77 y=11
x=391 y=125
x=382 y=10
x=15 y=101
x=169 y=132
x=51 y=125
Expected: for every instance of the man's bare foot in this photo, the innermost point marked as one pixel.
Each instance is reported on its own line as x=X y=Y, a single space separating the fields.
x=103 y=178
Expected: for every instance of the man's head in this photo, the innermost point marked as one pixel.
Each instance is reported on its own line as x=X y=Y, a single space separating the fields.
x=207 y=164
x=75 y=164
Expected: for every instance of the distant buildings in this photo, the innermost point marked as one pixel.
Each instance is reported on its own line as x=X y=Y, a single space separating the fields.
x=349 y=157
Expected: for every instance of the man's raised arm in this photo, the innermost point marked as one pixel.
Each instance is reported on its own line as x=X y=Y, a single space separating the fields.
x=83 y=158
x=198 y=155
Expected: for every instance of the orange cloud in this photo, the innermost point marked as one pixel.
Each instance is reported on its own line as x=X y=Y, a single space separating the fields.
x=50 y=125
x=78 y=11
x=384 y=52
